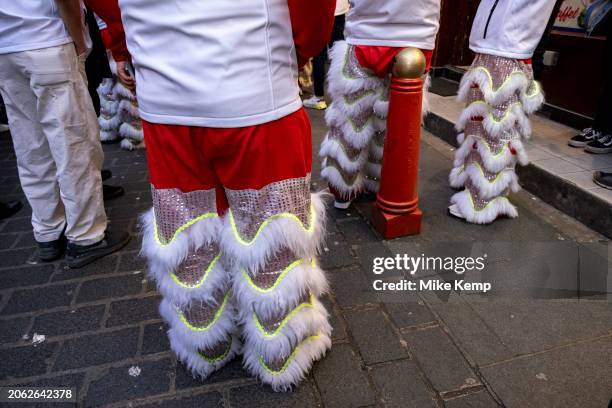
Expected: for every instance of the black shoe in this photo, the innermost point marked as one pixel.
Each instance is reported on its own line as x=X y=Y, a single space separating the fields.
x=52 y=250
x=601 y=145
x=588 y=135
x=9 y=209
x=78 y=256
x=106 y=174
x=603 y=179
x=110 y=192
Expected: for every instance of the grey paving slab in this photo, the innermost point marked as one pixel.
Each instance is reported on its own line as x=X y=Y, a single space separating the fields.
x=468 y=329
x=440 y=360
x=96 y=349
x=25 y=361
x=117 y=384
x=376 y=339
x=574 y=376
x=40 y=298
x=12 y=330
x=205 y=400
x=400 y=385
x=352 y=388
x=480 y=399
x=532 y=326
x=25 y=276
x=69 y=321
x=104 y=288
x=257 y=396
x=133 y=311
x=155 y=339
x=232 y=371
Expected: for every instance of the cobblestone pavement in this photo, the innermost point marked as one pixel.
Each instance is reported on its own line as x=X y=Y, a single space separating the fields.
x=541 y=338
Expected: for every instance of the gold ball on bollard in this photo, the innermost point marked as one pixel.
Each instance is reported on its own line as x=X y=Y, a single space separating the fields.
x=409 y=63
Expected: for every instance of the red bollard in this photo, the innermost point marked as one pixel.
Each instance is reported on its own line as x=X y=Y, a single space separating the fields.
x=395 y=212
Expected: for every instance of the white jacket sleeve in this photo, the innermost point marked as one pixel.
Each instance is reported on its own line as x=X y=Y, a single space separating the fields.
x=510 y=28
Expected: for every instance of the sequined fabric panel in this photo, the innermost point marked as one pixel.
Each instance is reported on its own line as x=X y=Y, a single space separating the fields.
x=273 y=323
x=201 y=314
x=173 y=208
x=501 y=68
x=194 y=267
x=476 y=129
x=474 y=157
x=336 y=135
x=355 y=97
x=217 y=351
x=479 y=202
x=349 y=178
x=267 y=277
x=352 y=68
x=250 y=208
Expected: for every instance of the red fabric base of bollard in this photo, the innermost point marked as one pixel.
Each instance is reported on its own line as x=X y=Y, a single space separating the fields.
x=396 y=225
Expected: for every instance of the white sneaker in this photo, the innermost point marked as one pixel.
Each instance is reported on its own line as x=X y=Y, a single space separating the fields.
x=453 y=210
x=315 y=102
x=342 y=205
x=4 y=127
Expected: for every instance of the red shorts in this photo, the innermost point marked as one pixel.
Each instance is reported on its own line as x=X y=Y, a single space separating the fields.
x=198 y=158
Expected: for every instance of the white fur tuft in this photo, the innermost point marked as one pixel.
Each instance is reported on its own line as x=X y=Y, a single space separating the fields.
x=333 y=176
x=198 y=339
x=309 y=350
x=198 y=365
x=295 y=285
x=280 y=233
x=333 y=148
x=498 y=206
x=280 y=345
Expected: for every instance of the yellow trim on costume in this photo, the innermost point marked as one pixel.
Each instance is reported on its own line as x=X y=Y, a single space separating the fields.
x=367 y=92
x=280 y=277
x=489 y=114
x=180 y=229
x=201 y=281
x=221 y=357
x=264 y=224
x=290 y=359
x=482 y=172
x=490 y=78
x=208 y=326
x=301 y=306
x=483 y=208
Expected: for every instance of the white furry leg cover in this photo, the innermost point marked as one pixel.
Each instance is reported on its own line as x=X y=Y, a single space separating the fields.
x=181 y=244
x=272 y=235
x=354 y=90
x=130 y=128
x=108 y=120
x=500 y=94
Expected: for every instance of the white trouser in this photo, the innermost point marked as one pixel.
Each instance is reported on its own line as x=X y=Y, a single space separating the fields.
x=55 y=133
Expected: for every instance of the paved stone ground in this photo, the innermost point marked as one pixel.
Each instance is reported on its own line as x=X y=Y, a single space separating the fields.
x=541 y=338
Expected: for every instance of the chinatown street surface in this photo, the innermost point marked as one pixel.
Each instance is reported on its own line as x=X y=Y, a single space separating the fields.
x=540 y=337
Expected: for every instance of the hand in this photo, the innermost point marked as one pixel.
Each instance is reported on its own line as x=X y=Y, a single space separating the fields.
x=125 y=76
x=80 y=47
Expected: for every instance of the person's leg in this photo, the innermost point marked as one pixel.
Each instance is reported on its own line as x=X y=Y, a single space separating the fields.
x=35 y=162
x=68 y=121
x=603 y=118
x=272 y=231
x=500 y=93
x=354 y=90
x=318 y=73
x=181 y=242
